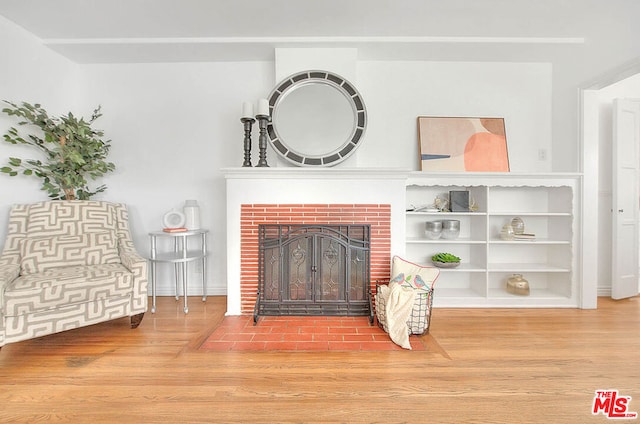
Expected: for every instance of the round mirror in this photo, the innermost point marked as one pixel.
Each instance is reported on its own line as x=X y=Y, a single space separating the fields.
x=317 y=119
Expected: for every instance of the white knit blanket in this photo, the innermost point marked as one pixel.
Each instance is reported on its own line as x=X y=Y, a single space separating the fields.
x=398 y=306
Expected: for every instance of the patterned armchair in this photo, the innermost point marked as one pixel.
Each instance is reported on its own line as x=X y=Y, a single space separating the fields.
x=68 y=264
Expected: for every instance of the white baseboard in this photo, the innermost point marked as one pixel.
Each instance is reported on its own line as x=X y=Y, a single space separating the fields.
x=604 y=291
x=192 y=291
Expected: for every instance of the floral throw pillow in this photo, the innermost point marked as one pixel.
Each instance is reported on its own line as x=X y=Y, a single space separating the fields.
x=413 y=275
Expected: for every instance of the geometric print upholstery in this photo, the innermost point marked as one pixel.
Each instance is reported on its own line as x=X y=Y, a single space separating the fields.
x=43 y=253
x=75 y=315
x=69 y=218
x=67 y=264
x=57 y=287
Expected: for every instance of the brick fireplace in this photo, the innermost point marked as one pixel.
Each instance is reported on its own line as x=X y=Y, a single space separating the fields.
x=308 y=196
x=378 y=216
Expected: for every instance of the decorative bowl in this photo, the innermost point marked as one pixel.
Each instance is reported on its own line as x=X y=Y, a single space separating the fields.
x=450 y=229
x=446 y=264
x=433 y=229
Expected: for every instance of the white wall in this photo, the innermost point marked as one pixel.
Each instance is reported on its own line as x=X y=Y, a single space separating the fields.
x=173 y=126
x=34 y=74
x=396 y=93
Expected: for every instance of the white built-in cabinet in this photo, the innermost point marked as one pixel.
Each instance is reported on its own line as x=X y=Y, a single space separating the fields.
x=549 y=206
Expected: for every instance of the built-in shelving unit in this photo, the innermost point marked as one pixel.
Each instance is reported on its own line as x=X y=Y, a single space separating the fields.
x=548 y=206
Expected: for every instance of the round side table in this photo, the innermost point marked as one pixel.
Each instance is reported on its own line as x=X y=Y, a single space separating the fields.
x=180 y=256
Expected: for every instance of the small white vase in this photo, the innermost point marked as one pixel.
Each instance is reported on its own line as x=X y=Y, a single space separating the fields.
x=192 y=215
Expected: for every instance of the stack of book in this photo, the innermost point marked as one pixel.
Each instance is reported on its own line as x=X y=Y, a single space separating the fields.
x=524 y=236
x=174 y=230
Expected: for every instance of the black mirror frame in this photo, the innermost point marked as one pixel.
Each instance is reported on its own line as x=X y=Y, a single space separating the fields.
x=335 y=156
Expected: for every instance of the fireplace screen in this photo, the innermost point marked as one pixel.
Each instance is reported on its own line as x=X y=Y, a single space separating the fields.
x=313 y=270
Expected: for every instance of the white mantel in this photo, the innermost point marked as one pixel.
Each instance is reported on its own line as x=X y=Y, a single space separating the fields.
x=283 y=185
x=316 y=173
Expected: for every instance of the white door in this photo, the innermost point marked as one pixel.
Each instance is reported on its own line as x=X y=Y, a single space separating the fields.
x=626 y=203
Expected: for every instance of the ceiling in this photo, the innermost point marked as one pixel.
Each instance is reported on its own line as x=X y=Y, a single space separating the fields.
x=102 y=31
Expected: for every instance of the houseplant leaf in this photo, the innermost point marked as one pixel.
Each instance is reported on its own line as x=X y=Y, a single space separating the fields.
x=73 y=152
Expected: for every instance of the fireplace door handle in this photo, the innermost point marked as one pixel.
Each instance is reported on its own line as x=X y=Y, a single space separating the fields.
x=314 y=268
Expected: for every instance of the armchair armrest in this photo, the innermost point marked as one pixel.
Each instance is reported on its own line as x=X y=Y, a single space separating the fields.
x=9 y=271
x=139 y=267
x=131 y=259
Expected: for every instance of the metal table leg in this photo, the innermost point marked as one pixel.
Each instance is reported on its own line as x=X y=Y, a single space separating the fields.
x=204 y=267
x=153 y=275
x=176 y=268
x=184 y=286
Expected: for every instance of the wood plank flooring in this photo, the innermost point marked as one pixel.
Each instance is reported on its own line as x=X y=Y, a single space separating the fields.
x=480 y=366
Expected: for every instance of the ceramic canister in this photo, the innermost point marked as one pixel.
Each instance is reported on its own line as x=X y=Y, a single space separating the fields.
x=191 y=212
x=433 y=229
x=450 y=228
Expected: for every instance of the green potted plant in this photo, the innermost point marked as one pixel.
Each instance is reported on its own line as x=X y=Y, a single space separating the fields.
x=74 y=152
x=445 y=260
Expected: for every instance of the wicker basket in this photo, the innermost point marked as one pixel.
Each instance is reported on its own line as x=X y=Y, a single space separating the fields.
x=420 y=317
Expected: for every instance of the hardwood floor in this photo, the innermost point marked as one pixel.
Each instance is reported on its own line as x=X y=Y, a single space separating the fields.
x=480 y=366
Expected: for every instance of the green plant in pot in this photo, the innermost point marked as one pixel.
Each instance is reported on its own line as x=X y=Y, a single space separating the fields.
x=445 y=260
x=74 y=152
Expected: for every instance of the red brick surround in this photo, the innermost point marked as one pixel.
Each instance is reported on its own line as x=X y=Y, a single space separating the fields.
x=378 y=216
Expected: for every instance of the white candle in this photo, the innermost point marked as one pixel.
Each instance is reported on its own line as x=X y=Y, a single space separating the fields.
x=263 y=107
x=247 y=110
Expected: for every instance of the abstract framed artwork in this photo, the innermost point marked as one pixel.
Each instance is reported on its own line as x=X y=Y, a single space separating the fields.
x=462 y=144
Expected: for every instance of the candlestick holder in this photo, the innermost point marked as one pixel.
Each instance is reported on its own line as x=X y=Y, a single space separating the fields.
x=262 y=140
x=248 y=123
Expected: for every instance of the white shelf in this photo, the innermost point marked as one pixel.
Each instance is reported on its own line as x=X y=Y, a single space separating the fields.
x=465 y=267
x=521 y=214
x=418 y=240
x=547 y=205
x=533 y=241
x=519 y=268
x=539 y=294
x=445 y=215
x=191 y=255
x=453 y=293
x=496 y=298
